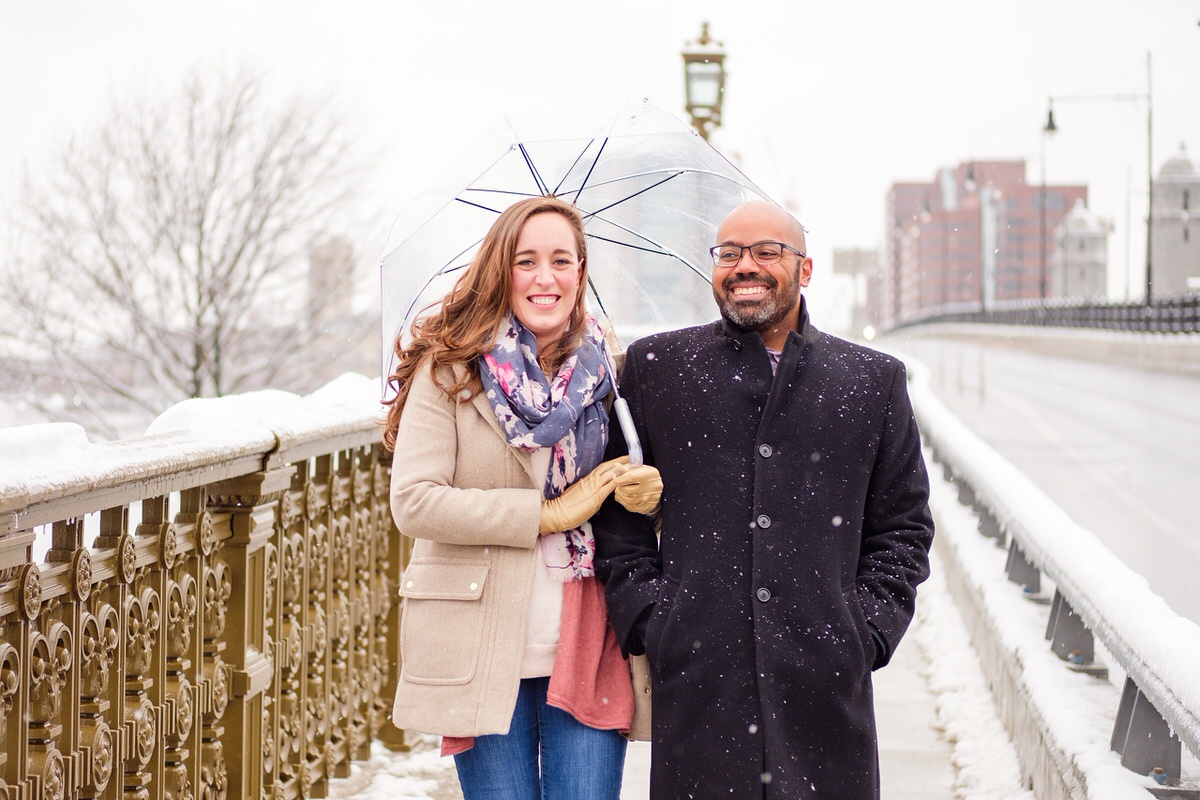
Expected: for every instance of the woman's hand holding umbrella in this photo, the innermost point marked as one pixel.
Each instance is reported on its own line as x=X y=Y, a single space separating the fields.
x=581 y=499
x=639 y=489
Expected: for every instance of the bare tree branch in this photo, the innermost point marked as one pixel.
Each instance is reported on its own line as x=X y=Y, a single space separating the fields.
x=165 y=256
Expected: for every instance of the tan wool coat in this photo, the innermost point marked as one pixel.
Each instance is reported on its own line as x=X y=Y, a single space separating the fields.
x=471 y=503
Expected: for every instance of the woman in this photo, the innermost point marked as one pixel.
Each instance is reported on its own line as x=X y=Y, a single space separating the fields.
x=498 y=427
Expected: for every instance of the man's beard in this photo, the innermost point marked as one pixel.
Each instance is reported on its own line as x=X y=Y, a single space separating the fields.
x=764 y=314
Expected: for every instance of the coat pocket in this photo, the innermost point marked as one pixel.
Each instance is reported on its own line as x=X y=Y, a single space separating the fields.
x=656 y=626
x=866 y=641
x=441 y=626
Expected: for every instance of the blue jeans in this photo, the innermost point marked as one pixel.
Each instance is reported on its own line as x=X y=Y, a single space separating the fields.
x=576 y=762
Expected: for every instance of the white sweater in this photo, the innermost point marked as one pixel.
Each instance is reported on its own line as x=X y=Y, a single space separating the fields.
x=545 y=604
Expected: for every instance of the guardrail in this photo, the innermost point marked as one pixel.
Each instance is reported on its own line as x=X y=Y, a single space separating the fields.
x=1179 y=314
x=1157 y=650
x=214 y=616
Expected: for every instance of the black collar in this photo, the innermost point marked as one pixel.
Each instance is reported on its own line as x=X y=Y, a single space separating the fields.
x=740 y=337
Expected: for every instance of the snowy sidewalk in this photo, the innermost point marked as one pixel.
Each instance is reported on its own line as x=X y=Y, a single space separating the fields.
x=914 y=761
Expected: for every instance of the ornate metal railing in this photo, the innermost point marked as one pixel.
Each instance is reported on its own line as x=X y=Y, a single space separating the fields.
x=1169 y=315
x=214 y=617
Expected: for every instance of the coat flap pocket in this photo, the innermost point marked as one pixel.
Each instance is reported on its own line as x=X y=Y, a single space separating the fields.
x=443 y=579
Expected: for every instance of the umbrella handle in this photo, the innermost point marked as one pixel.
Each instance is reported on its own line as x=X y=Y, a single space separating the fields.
x=630 y=433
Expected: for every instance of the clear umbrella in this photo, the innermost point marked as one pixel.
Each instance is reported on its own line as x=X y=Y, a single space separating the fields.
x=650 y=190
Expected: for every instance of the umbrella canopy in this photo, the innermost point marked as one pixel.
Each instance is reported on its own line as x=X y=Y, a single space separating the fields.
x=651 y=192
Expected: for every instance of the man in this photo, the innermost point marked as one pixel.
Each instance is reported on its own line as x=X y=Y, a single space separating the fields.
x=794 y=530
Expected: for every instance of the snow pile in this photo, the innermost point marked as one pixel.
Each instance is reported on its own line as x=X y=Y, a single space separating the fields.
x=350 y=398
x=37 y=449
x=246 y=413
x=984 y=759
x=43 y=462
x=415 y=775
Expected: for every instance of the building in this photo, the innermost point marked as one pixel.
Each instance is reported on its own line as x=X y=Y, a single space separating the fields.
x=330 y=284
x=1175 y=238
x=976 y=234
x=1079 y=266
x=862 y=265
x=899 y=295
x=339 y=337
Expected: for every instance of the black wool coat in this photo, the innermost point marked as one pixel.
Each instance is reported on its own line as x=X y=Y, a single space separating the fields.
x=794 y=531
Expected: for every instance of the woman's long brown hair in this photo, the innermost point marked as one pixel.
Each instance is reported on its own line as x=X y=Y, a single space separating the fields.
x=465 y=327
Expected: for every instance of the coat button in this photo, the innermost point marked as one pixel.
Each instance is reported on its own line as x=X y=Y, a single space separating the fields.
x=765 y=450
x=763 y=594
x=474 y=586
x=763 y=521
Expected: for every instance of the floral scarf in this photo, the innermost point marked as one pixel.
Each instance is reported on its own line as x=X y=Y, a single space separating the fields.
x=564 y=414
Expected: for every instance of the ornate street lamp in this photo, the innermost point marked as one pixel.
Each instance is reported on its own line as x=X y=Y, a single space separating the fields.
x=704 y=81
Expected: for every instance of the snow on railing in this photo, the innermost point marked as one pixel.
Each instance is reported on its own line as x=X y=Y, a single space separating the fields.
x=1096 y=594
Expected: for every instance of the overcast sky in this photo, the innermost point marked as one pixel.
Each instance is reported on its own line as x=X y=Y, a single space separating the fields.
x=827 y=103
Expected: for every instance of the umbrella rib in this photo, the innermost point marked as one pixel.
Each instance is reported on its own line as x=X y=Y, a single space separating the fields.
x=658 y=252
x=571 y=169
x=532 y=169
x=481 y=190
x=675 y=173
x=591 y=169
x=626 y=229
x=477 y=205
x=591 y=214
x=412 y=304
x=596 y=295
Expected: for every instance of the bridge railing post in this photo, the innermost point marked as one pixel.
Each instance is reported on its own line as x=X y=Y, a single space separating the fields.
x=1022 y=571
x=1143 y=738
x=242 y=583
x=1069 y=637
x=989 y=525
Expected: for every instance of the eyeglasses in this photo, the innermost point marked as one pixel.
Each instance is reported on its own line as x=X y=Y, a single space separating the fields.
x=765 y=254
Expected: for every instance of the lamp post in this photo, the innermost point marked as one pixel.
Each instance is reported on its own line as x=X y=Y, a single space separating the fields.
x=1047 y=129
x=704 y=82
x=1147 y=97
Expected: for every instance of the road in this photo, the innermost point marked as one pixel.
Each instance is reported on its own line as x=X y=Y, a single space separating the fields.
x=1117 y=448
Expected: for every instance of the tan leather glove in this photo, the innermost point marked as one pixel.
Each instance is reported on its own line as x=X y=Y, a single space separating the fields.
x=581 y=499
x=640 y=489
